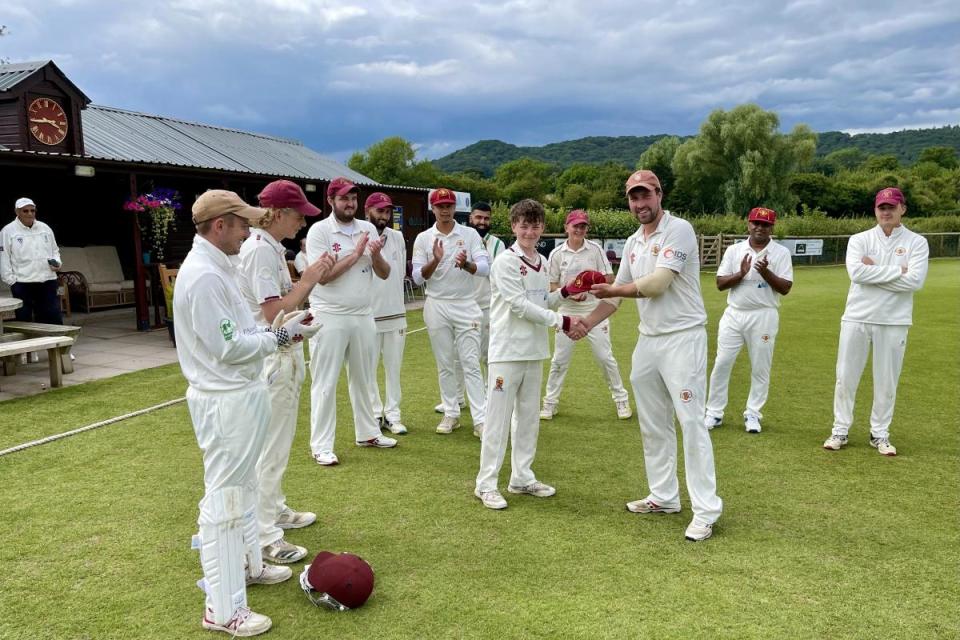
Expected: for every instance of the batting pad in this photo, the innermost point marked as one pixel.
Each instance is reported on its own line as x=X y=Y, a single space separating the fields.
x=251 y=540
x=222 y=552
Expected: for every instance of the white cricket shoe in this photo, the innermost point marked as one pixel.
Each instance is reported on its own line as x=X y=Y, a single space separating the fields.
x=439 y=407
x=752 y=424
x=548 y=411
x=624 y=411
x=698 y=532
x=491 y=499
x=380 y=442
x=835 y=443
x=448 y=424
x=883 y=446
x=326 y=458
x=290 y=519
x=283 y=552
x=646 y=505
x=396 y=428
x=536 y=488
x=243 y=624
x=711 y=422
x=478 y=429
x=270 y=574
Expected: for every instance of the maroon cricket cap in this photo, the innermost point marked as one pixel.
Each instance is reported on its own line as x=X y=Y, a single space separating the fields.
x=346 y=578
x=762 y=214
x=889 y=195
x=378 y=200
x=643 y=178
x=340 y=187
x=283 y=194
x=577 y=216
x=443 y=196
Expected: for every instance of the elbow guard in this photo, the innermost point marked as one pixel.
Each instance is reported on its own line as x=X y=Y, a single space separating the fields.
x=654 y=284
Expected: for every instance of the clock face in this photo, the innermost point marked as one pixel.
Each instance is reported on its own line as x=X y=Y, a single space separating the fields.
x=48 y=122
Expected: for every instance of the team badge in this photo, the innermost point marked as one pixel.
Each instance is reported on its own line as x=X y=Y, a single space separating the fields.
x=227 y=328
x=498 y=384
x=765 y=338
x=336 y=247
x=656 y=250
x=459 y=243
x=686 y=395
x=523 y=270
x=900 y=251
x=19 y=239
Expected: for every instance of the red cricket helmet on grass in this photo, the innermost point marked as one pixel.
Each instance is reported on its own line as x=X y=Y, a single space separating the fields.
x=337 y=581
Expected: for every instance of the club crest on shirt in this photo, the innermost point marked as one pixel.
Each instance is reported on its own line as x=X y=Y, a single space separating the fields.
x=227 y=329
x=460 y=243
x=498 y=384
x=336 y=247
x=655 y=250
x=523 y=270
x=686 y=395
x=765 y=338
x=900 y=251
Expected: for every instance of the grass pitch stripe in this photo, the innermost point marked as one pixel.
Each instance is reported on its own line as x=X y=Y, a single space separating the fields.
x=90 y=427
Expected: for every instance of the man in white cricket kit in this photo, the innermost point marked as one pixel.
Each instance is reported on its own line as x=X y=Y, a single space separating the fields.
x=757 y=272
x=300 y=261
x=389 y=313
x=266 y=286
x=221 y=351
x=519 y=318
x=575 y=255
x=29 y=262
x=342 y=305
x=886 y=265
x=661 y=267
x=448 y=257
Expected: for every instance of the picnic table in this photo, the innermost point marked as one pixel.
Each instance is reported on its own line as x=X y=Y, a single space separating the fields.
x=8 y=304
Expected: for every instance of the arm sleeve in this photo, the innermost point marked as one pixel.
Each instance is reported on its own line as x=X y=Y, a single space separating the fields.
x=6 y=270
x=553 y=267
x=510 y=284
x=259 y=269
x=655 y=284
x=210 y=311
x=605 y=267
x=479 y=256
x=726 y=267
x=318 y=243
x=867 y=273
x=625 y=273
x=916 y=273
x=54 y=249
x=678 y=248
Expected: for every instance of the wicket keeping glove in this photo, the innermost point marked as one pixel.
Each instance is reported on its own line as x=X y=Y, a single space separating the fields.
x=293 y=327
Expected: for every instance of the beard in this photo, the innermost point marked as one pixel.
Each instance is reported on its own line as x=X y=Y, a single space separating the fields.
x=380 y=225
x=482 y=229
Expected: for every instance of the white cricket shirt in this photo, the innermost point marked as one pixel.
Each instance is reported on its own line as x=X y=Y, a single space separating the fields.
x=263 y=272
x=448 y=282
x=881 y=293
x=672 y=245
x=519 y=313
x=494 y=247
x=350 y=293
x=564 y=265
x=24 y=252
x=753 y=292
x=388 y=308
x=219 y=344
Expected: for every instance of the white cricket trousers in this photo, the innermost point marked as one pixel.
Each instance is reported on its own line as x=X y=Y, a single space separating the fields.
x=599 y=338
x=757 y=328
x=454 y=329
x=284 y=374
x=390 y=344
x=484 y=335
x=513 y=411
x=230 y=427
x=889 y=344
x=670 y=376
x=349 y=339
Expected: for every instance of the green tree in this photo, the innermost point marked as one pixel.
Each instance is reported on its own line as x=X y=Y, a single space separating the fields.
x=946 y=157
x=524 y=178
x=393 y=161
x=659 y=158
x=886 y=162
x=739 y=160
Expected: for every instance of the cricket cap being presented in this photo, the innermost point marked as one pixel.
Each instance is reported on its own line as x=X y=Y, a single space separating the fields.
x=338 y=581
x=218 y=202
x=762 y=214
x=890 y=195
x=443 y=196
x=378 y=200
x=23 y=202
x=584 y=282
x=340 y=187
x=577 y=216
x=643 y=178
x=283 y=194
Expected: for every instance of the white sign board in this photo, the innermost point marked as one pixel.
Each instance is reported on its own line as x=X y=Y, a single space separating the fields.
x=615 y=245
x=804 y=246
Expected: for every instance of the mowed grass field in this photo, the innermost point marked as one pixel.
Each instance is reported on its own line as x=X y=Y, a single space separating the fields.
x=812 y=544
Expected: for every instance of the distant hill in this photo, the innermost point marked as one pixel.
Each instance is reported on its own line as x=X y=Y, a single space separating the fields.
x=485 y=156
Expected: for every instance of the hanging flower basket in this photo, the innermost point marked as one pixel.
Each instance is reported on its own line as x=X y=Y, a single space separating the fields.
x=156 y=211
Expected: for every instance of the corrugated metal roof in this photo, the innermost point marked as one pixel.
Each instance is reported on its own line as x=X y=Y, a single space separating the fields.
x=117 y=134
x=12 y=74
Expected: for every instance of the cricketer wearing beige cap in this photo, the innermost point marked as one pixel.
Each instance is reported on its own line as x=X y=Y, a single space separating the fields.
x=218 y=202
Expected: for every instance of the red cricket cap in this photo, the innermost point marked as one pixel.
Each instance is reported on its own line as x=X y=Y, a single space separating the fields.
x=577 y=216
x=340 y=187
x=378 y=200
x=346 y=578
x=443 y=196
x=762 y=214
x=283 y=194
x=889 y=195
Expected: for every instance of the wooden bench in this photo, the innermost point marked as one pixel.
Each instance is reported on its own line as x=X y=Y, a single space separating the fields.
x=54 y=346
x=41 y=330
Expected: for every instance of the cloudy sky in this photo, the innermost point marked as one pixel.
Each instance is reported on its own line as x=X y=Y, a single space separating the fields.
x=443 y=74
